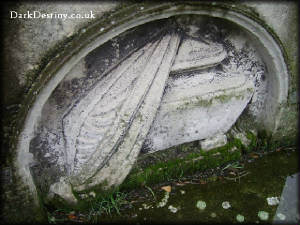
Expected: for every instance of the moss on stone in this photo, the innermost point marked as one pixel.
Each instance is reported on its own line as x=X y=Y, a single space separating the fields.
x=253 y=141
x=162 y=166
x=164 y=169
x=201 y=102
x=61 y=52
x=19 y=204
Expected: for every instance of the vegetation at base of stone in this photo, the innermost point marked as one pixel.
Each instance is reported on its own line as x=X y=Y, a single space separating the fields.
x=247 y=197
x=155 y=168
x=192 y=159
x=176 y=169
x=249 y=194
x=108 y=204
x=104 y=203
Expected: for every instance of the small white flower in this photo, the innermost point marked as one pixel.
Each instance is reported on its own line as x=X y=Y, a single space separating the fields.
x=182 y=192
x=281 y=216
x=240 y=218
x=213 y=215
x=101 y=29
x=226 y=205
x=172 y=209
x=273 y=201
x=142 y=8
x=164 y=201
x=263 y=215
x=201 y=205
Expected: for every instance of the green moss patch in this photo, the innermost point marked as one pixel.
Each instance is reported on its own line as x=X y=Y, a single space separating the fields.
x=158 y=167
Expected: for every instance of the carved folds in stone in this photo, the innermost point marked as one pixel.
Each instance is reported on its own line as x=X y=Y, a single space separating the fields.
x=175 y=88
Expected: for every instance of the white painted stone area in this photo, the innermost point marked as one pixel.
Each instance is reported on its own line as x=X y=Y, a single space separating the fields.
x=193 y=54
x=110 y=124
x=88 y=122
x=213 y=142
x=64 y=189
x=199 y=107
x=158 y=96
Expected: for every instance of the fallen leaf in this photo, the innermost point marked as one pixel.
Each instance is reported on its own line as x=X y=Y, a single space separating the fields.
x=166 y=188
x=72 y=217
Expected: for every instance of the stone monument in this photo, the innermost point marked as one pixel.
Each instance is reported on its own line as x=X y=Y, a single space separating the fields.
x=184 y=82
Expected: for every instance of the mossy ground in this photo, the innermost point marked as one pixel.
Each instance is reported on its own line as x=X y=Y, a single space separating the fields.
x=247 y=195
x=185 y=164
x=156 y=168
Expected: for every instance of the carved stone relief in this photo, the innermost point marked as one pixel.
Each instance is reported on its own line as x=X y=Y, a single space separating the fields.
x=161 y=84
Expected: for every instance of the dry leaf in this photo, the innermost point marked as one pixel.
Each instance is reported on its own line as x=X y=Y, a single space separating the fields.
x=72 y=217
x=166 y=188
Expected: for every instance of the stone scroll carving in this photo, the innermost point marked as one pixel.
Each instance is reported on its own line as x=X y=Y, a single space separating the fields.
x=177 y=88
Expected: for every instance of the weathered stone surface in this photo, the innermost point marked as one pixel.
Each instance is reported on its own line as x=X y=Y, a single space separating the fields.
x=89 y=120
x=194 y=54
x=174 y=89
x=242 y=136
x=213 y=142
x=111 y=122
x=194 y=108
x=64 y=189
x=142 y=92
x=26 y=40
x=289 y=202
